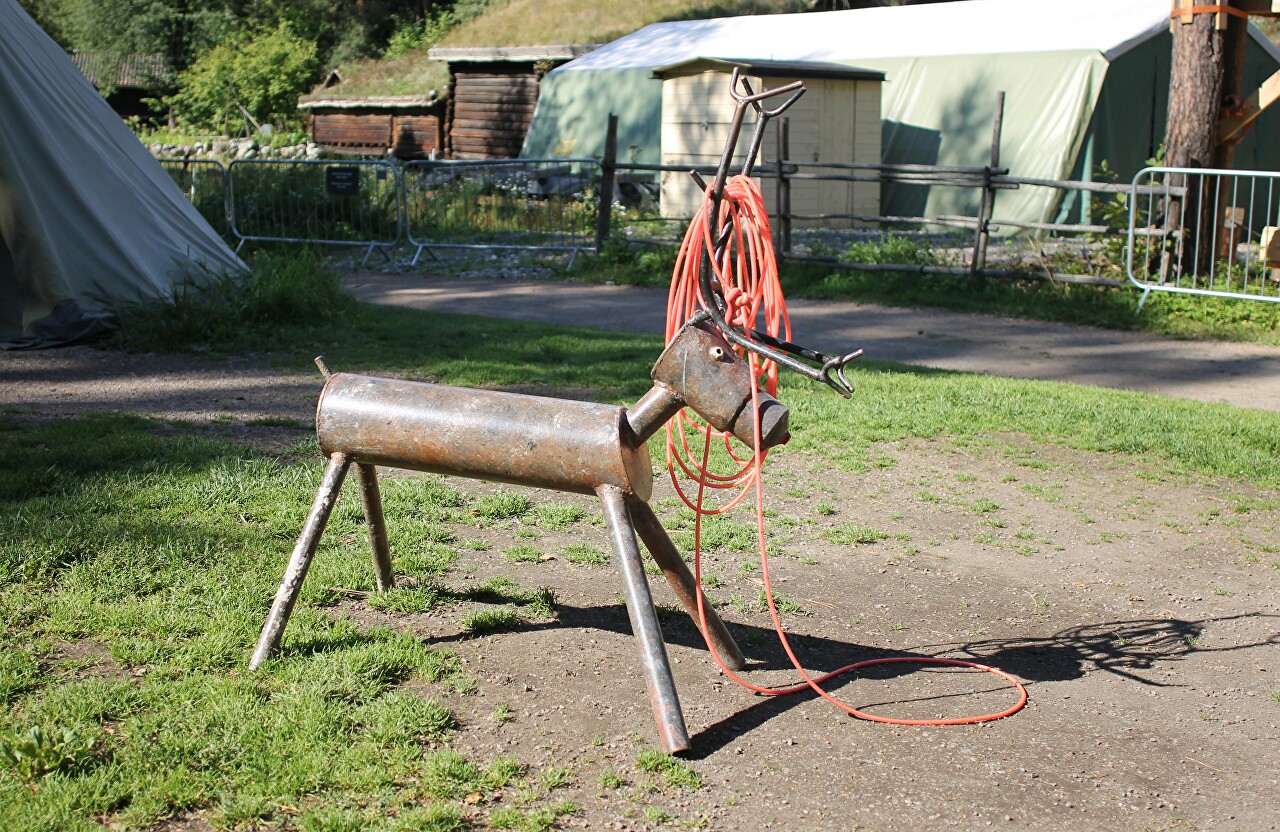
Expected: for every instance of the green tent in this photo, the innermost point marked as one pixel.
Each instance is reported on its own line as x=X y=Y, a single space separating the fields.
x=1086 y=82
x=88 y=219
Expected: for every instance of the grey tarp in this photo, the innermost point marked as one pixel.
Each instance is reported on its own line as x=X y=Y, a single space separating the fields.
x=1086 y=82
x=88 y=219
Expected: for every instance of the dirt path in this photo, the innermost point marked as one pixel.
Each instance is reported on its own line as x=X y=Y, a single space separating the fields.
x=1246 y=375
x=1139 y=604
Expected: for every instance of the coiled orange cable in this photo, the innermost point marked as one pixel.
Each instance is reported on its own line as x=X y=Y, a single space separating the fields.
x=748 y=279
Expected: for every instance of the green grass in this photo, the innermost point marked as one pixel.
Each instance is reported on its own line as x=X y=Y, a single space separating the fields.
x=585 y=553
x=211 y=311
x=493 y=621
x=357 y=337
x=891 y=402
x=557 y=516
x=504 y=505
x=854 y=533
x=557 y=777
x=593 y=21
x=611 y=779
x=162 y=550
x=446 y=773
x=522 y=553
x=675 y=773
x=1112 y=308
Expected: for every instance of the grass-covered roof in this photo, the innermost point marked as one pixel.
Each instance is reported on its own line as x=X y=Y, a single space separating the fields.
x=533 y=23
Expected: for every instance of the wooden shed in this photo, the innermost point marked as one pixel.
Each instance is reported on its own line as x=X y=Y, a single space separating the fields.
x=493 y=93
x=412 y=126
x=132 y=80
x=837 y=120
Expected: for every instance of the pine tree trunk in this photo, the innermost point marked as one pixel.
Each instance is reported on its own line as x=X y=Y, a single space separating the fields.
x=1195 y=93
x=1235 y=42
x=1208 y=63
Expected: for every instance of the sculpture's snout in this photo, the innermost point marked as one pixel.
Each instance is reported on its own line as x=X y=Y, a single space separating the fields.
x=701 y=369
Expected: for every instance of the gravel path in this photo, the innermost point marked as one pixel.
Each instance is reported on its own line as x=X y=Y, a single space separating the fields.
x=1245 y=375
x=79 y=379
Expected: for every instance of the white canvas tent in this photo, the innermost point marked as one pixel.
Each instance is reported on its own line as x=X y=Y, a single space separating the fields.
x=1086 y=82
x=88 y=219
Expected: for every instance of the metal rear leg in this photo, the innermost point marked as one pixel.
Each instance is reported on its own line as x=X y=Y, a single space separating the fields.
x=384 y=576
x=644 y=624
x=303 y=551
x=681 y=579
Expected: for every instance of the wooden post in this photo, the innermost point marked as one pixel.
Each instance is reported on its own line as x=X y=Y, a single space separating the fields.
x=987 y=205
x=784 y=188
x=608 y=168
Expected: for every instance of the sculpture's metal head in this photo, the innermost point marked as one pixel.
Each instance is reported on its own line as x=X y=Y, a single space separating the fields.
x=701 y=368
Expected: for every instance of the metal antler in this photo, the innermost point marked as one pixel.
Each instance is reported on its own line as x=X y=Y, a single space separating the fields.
x=831 y=371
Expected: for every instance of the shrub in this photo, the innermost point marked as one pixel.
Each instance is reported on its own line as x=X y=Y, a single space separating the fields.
x=264 y=74
x=418 y=35
x=207 y=308
x=890 y=249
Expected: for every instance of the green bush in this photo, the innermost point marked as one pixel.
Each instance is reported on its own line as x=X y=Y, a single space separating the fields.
x=206 y=308
x=265 y=74
x=419 y=35
x=623 y=262
x=890 y=249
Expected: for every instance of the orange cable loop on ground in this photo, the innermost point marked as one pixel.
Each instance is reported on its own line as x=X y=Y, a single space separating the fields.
x=748 y=278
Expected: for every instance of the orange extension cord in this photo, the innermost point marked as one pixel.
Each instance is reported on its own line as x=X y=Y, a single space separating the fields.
x=753 y=298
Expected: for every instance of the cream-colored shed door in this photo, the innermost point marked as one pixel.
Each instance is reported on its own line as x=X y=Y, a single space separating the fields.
x=835 y=121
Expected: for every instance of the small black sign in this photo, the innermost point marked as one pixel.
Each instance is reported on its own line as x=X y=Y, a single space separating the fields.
x=343 y=181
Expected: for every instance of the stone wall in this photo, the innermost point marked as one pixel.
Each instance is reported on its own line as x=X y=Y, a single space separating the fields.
x=226 y=150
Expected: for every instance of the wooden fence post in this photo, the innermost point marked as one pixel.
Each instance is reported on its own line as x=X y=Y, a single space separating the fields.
x=987 y=206
x=608 y=167
x=782 y=244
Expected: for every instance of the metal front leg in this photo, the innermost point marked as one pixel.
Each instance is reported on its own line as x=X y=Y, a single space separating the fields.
x=384 y=576
x=644 y=623
x=659 y=544
x=303 y=551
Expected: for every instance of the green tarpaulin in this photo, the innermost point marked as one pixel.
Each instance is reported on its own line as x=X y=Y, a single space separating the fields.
x=1085 y=82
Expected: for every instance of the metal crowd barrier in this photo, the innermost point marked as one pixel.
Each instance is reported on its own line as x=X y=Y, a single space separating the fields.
x=321 y=202
x=204 y=183
x=542 y=204
x=1199 y=231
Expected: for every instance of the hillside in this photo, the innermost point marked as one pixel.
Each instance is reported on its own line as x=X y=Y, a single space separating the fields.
x=541 y=22
x=535 y=23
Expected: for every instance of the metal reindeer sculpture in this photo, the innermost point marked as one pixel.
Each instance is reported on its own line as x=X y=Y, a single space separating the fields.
x=578 y=447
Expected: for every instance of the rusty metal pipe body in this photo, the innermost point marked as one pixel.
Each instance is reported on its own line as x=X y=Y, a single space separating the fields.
x=482 y=434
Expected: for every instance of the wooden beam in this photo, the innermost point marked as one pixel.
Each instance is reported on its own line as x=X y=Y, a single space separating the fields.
x=1254 y=105
x=1186 y=17
x=1262 y=8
